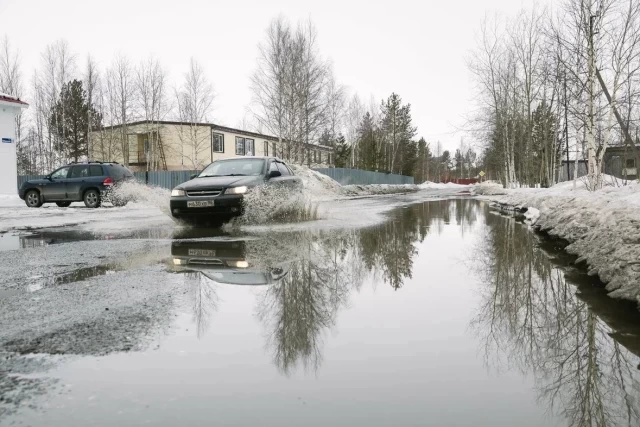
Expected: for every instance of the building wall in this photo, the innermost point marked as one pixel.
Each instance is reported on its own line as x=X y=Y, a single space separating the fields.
x=621 y=162
x=8 y=161
x=189 y=147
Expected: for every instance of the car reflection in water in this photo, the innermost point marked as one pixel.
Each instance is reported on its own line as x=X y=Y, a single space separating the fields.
x=223 y=261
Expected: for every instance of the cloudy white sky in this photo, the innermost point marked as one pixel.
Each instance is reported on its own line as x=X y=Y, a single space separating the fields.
x=414 y=48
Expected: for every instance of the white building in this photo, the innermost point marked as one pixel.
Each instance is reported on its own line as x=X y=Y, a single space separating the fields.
x=10 y=108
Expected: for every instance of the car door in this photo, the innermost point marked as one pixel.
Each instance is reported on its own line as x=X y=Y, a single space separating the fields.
x=55 y=187
x=76 y=182
x=288 y=179
x=279 y=180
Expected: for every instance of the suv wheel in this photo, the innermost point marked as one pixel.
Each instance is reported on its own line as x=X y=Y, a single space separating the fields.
x=32 y=199
x=63 y=204
x=92 y=199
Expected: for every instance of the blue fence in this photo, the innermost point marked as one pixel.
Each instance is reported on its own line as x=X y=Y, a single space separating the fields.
x=164 y=179
x=360 y=177
x=169 y=179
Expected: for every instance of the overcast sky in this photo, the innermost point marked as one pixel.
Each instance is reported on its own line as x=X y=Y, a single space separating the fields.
x=414 y=48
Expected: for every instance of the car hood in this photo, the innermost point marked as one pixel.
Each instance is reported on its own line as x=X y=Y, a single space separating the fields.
x=220 y=181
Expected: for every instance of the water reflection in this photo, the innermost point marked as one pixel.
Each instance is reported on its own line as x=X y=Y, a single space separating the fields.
x=308 y=276
x=532 y=319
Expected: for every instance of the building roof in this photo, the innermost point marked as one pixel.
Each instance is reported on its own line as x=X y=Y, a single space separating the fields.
x=12 y=99
x=211 y=125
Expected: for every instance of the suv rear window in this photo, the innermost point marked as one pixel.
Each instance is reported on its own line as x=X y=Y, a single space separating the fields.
x=119 y=171
x=95 y=170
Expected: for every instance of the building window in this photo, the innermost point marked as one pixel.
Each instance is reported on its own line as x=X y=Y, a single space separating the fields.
x=249 y=147
x=274 y=149
x=266 y=148
x=217 y=143
x=239 y=146
x=245 y=146
x=630 y=163
x=319 y=156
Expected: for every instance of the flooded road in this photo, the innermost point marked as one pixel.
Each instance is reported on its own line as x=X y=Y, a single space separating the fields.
x=445 y=314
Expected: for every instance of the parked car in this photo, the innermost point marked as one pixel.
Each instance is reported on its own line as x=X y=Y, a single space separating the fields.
x=91 y=183
x=215 y=195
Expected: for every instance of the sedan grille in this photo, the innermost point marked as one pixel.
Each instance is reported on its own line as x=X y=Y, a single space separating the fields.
x=204 y=193
x=205 y=261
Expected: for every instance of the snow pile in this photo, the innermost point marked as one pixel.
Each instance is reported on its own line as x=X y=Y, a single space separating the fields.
x=602 y=228
x=532 y=215
x=488 y=189
x=317 y=184
x=377 y=189
x=428 y=185
x=323 y=187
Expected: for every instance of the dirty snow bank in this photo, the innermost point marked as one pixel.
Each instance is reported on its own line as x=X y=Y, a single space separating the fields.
x=428 y=185
x=321 y=186
x=602 y=228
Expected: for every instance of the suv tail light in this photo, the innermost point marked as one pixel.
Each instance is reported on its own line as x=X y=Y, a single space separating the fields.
x=108 y=181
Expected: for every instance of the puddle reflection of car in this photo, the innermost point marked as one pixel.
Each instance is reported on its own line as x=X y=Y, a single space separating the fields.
x=223 y=261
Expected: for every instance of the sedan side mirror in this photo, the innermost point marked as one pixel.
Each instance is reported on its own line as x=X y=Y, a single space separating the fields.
x=49 y=177
x=193 y=176
x=274 y=174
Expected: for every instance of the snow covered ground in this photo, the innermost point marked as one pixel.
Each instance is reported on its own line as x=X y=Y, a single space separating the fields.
x=602 y=228
x=151 y=205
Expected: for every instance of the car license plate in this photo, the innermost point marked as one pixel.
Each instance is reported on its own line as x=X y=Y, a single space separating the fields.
x=202 y=252
x=201 y=204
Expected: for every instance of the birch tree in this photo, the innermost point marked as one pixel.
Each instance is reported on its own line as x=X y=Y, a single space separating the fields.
x=152 y=104
x=194 y=102
x=122 y=91
x=11 y=84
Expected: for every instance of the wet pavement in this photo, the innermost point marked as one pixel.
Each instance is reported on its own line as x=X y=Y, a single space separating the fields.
x=445 y=314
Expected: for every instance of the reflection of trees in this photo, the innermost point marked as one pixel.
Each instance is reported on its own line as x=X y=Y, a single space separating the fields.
x=205 y=300
x=323 y=268
x=312 y=274
x=531 y=315
x=304 y=303
x=390 y=247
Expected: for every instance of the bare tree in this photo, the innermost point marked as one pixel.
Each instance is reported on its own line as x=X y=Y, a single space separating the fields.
x=58 y=67
x=355 y=113
x=121 y=79
x=152 y=104
x=194 y=101
x=290 y=86
x=11 y=84
x=268 y=82
x=91 y=79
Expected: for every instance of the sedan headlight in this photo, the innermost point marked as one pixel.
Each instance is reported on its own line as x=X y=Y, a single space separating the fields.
x=176 y=192
x=237 y=190
x=238 y=264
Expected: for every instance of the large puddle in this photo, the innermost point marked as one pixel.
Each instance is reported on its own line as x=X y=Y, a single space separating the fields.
x=447 y=314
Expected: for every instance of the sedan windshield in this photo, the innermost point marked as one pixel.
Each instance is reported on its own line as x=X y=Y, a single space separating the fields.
x=235 y=167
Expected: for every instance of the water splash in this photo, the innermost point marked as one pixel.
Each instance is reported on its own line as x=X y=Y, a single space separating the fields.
x=272 y=204
x=148 y=195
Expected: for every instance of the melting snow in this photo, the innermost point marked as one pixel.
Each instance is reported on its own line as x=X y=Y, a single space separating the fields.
x=602 y=227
